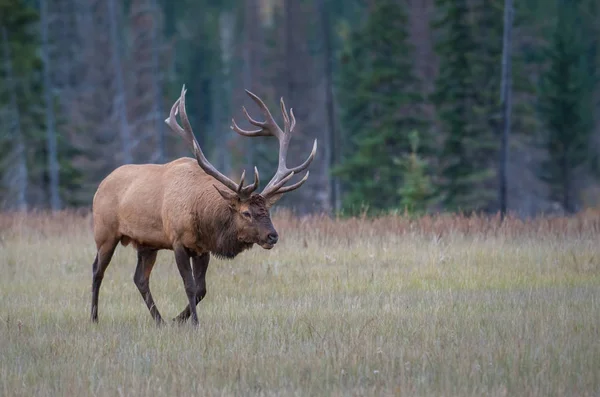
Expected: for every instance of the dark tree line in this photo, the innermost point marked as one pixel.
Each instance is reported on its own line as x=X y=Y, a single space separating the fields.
x=417 y=105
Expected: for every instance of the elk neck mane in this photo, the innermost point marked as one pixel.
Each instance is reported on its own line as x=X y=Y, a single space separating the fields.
x=221 y=228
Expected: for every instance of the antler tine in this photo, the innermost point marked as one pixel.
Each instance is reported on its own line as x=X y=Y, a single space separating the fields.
x=279 y=189
x=293 y=124
x=283 y=174
x=251 y=120
x=273 y=187
x=269 y=127
x=187 y=133
x=286 y=118
x=241 y=184
x=250 y=133
x=307 y=162
x=187 y=127
x=294 y=186
x=277 y=185
x=250 y=188
x=262 y=131
x=172 y=122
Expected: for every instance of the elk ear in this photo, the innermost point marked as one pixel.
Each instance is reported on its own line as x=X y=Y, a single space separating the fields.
x=230 y=197
x=270 y=201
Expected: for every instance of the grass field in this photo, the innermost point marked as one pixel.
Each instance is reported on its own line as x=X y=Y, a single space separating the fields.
x=439 y=306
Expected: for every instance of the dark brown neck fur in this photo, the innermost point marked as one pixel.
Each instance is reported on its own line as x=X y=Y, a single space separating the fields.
x=226 y=243
x=217 y=232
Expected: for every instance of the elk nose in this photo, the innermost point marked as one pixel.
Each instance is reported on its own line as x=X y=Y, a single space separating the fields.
x=273 y=237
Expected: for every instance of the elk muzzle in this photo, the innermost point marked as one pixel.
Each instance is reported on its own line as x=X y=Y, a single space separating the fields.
x=271 y=240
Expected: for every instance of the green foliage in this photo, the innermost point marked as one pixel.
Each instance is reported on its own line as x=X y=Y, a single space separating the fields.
x=565 y=106
x=20 y=69
x=417 y=190
x=378 y=96
x=21 y=23
x=71 y=177
x=380 y=100
x=195 y=25
x=467 y=101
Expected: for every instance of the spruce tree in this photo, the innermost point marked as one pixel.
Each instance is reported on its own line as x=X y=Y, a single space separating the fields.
x=20 y=22
x=565 y=105
x=19 y=105
x=380 y=100
x=461 y=100
x=417 y=191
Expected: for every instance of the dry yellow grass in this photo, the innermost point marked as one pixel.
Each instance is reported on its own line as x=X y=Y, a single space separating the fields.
x=441 y=305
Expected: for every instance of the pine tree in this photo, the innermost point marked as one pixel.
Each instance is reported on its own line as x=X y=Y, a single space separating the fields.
x=20 y=105
x=565 y=105
x=467 y=99
x=380 y=100
x=417 y=190
x=465 y=156
x=486 y=61
x=21 y=24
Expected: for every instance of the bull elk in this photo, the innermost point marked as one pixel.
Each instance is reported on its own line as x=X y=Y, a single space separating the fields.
x=189 y=207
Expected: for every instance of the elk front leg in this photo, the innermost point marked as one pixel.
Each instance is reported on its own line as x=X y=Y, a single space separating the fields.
x=199 y=266
x=182 y=258
x=103 y=257
x=141 y=278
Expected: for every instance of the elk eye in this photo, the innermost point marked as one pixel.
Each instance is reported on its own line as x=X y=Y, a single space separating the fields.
x=247 y=214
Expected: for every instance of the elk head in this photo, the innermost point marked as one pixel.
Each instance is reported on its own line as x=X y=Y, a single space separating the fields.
x=249 y=210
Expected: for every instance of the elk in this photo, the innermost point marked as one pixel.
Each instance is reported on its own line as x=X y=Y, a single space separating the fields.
x=189 y=207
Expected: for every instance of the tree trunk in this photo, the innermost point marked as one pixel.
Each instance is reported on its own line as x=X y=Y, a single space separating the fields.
x=251 y=23
x=506 y=99
x=157 y=84
x=221 y=90
x=50 y=118
x=331 y=146
x=120 y=100
x=19 y=181
x=290 y=52
x=144 y=90
x=566 y=183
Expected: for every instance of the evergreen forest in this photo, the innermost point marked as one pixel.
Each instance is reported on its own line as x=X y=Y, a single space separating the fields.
x=418 y=106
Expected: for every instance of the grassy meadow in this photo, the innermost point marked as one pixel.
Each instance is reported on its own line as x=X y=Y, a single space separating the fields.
x=438 y=306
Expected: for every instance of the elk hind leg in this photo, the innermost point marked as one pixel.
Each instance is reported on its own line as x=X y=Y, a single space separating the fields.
x=141 y=278
x=103 y=257
x=199 y=266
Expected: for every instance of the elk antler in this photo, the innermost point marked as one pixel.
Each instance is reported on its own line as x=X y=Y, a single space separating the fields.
x=187 y=134
x=270 y=128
